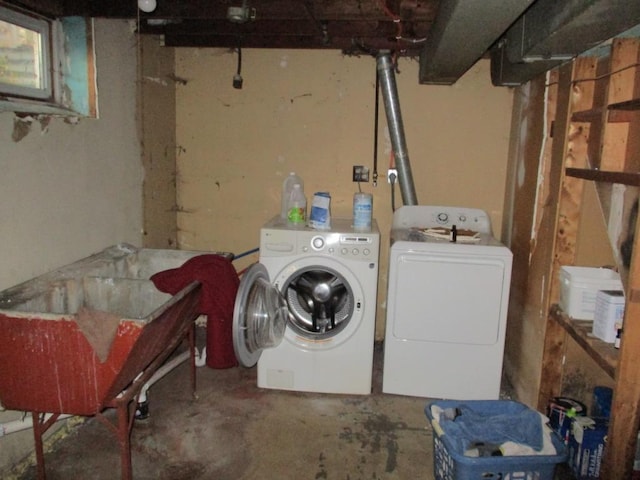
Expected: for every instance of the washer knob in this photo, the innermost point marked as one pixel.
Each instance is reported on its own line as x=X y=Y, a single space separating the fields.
x=442 y=217
x=317 y=243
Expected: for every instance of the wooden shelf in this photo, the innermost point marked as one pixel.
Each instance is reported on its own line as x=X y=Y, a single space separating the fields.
x=593 y=115
x=625 y=178
x=616 y=113
x=633 y=104
x=591 y=123
x=604 y=354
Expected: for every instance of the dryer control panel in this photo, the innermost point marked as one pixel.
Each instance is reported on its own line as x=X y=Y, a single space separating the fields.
x=427 y=216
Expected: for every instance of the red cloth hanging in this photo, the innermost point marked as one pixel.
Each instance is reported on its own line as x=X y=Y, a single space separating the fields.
x=219 y=287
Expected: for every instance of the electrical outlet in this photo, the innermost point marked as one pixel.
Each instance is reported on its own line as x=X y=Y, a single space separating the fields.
x=360 y=173
x=392 y=175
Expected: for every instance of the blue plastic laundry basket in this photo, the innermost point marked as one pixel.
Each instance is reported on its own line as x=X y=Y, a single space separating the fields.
x=449 y=464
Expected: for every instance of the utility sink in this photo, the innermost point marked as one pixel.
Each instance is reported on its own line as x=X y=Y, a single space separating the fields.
x=74 y=338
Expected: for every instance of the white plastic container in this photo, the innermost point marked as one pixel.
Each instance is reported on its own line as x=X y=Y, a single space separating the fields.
x=609 y=314
x=320 y=212
x=362 y=211
x=579 y=287
x=287 y=187
x=297 y=206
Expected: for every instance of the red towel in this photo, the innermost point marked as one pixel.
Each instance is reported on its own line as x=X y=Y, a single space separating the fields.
x=219 y=287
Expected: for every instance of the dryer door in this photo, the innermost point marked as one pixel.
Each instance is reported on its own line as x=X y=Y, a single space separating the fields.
x=260 y=315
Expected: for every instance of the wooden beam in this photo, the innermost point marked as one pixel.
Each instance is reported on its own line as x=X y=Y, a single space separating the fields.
x=554 y=335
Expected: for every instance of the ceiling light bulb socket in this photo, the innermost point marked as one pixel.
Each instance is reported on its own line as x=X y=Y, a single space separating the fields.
x=237 y=81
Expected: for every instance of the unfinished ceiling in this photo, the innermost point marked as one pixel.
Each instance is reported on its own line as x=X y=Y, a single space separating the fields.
x=522 y=37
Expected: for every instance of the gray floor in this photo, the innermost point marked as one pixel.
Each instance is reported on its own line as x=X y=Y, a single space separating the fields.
x=236 y=431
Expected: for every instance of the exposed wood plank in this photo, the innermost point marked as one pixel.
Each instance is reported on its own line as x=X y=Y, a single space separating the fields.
x=633 y=104
x=604 y=354
x=625 y=178
x=570 y=149
x=625 y=419
x=617 y=112
x=554 y=335
x=272 y=27
x=620 y=449
x=265 y=9
x=347 y=44
x=623 y=116
x=529 y=169
x=591 y=115
x=624 y=56
x=624 y=59
x=575 y=156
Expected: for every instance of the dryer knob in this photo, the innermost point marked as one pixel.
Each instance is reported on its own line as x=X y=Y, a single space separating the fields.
x=317 y=243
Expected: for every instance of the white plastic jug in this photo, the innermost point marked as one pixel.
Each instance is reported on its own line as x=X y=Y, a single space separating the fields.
x=287 y=187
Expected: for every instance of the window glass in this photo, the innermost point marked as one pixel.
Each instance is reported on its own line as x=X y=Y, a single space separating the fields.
x=24 y=55
x=47 y=66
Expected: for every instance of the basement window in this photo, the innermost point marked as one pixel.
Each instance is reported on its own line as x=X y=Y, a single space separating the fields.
x=25 y=63
x=46 y=66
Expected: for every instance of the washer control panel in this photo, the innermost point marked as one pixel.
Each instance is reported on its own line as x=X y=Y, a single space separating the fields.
x=344 y=242
x=341 y=245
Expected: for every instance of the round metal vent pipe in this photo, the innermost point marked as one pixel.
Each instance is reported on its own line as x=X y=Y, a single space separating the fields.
x=387 y=78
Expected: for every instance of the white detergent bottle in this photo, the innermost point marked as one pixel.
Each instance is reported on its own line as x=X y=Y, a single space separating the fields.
x=297 y=206
x=287 y=187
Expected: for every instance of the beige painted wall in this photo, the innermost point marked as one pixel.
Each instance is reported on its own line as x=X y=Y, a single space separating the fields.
x=72 y=190
x=157 y=114
x=313 y=112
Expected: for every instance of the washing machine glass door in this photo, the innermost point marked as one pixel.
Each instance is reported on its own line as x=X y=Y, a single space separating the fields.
x=260 y=316
x=320 y=302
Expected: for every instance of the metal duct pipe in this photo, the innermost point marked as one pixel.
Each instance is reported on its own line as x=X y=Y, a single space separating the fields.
x=387 y=79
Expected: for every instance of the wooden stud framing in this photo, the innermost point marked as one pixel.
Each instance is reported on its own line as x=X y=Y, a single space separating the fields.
x=583 y=125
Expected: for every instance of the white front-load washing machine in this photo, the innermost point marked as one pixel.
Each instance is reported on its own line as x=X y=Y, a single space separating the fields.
x=306 y=312
x=447 y=303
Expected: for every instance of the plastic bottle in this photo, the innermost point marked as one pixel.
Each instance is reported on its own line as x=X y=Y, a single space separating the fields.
x=616 y=342
x=362 y=211
x=287 y=187
x=297 y=206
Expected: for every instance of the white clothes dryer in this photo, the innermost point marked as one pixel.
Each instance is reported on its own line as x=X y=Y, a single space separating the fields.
x=446 y=305
x=306 y=312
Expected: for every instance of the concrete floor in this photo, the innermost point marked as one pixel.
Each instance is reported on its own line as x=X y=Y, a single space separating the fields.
x=236 y=431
